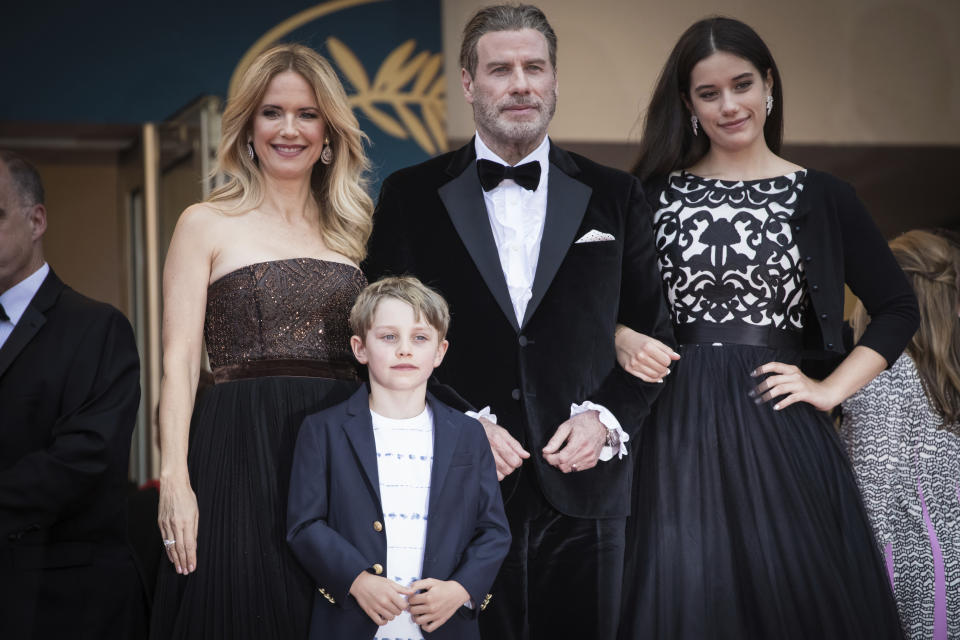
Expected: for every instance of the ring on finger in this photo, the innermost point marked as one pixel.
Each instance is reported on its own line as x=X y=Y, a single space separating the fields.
x=574 y=466
x=169 y=543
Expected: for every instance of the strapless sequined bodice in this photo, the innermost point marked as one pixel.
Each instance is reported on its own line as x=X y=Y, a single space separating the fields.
x=283 y=311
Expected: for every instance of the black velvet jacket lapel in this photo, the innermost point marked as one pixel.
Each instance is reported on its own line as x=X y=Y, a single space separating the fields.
x=463 y=199
x=567 y=200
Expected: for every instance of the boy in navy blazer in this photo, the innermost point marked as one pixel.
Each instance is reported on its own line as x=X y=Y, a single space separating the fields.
x=394 y=505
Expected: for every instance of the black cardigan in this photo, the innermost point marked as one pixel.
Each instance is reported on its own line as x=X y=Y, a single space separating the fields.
x=839 y=243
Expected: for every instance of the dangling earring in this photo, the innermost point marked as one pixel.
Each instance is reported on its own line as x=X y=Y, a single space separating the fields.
x=694 y=121
x=250 y=150
x=326 y=156
x=769 y=104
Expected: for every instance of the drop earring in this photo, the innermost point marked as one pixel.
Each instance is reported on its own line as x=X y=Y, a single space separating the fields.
x=250 y=150
x=769 y=104
x=694 y=121
x=326 y=155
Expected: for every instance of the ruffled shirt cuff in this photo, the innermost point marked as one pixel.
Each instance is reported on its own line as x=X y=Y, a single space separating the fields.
x=610 y=422
x=606 y=418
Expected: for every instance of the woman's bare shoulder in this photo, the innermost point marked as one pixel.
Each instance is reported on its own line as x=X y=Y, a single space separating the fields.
x=202 y=214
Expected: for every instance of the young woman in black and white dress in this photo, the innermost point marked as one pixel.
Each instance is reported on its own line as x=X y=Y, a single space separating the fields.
x=747 y=522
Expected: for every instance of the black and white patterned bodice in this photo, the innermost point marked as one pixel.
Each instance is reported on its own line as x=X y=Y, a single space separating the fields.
x=726 y=251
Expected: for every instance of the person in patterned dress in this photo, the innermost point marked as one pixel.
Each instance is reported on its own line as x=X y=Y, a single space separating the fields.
x=746 y=519
x=902 y=431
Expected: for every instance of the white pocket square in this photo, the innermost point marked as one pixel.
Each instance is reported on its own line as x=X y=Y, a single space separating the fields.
x=595 y=236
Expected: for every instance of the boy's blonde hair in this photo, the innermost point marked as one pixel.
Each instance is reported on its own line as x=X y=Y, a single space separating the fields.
x=426 y=303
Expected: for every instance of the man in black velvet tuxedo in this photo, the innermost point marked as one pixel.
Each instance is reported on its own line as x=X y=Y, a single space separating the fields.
x=69 y=391
x=540 y=253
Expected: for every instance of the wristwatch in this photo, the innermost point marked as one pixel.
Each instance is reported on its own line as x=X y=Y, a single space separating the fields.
x=613 y=439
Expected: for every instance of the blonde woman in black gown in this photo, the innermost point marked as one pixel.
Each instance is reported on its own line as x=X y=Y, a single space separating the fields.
x=266 y=272
x=747 y=522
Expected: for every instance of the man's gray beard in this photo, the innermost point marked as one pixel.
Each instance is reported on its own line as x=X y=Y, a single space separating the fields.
x=487 y=118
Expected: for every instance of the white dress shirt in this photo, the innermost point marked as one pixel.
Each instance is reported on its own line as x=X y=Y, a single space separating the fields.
x=16 y=299
x=517 y=217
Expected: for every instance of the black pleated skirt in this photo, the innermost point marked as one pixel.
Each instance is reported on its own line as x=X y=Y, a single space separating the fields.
x=247 y=583
x=747 y=522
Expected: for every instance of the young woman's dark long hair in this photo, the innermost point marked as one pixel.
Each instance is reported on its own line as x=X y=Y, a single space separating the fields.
x=668 y=142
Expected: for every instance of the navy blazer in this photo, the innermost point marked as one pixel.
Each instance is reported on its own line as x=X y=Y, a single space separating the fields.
x=335 y=520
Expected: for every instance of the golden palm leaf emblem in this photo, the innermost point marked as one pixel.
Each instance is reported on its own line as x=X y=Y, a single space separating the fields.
x=411 y=86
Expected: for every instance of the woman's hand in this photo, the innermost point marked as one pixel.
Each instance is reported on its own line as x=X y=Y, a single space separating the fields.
x=857 y=369
x=643 y=356
x=790 y=385
x=178 y=518
x=186 y=275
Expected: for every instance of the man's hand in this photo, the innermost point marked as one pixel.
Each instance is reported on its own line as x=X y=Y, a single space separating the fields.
x=582 y=438
x=381 y=598
x=439 y=600
x=507 y=451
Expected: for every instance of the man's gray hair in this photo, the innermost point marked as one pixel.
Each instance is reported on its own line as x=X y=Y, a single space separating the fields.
x=504 y=17
x=26 y=179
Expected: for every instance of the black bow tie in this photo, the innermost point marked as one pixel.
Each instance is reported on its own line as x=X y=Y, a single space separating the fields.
x=493 y=173
x=3 y=314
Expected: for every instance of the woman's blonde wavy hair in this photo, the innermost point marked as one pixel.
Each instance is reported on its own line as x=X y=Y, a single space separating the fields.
x=932 y=265
x=346 y=209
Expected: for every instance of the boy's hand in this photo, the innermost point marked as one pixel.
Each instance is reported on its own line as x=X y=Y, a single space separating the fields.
x=440 y=600
x=380 y=598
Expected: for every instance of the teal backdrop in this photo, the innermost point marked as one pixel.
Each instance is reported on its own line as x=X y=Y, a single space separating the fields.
x=116 y=61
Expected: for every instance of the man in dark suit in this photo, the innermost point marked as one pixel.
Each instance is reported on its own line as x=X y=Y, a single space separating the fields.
x=540 y=253
x=69 y=391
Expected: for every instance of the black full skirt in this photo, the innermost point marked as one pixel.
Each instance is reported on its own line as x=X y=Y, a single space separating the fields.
x=747 y=522
x=247 y=583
